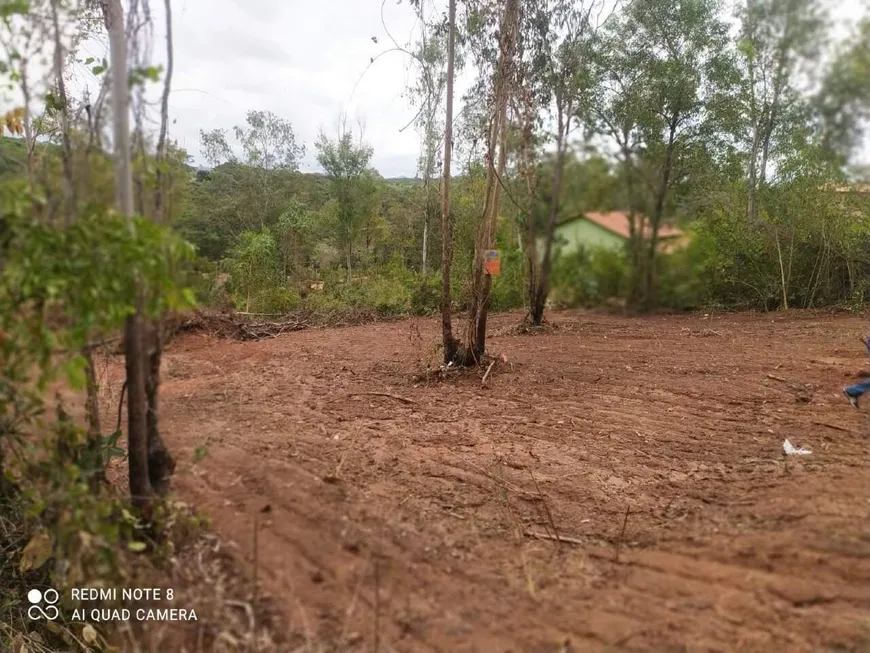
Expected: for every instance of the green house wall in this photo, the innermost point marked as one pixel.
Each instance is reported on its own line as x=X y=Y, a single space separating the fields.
x=571 y=235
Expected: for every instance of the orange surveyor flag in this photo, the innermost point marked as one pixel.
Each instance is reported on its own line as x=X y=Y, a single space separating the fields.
x=492 y=265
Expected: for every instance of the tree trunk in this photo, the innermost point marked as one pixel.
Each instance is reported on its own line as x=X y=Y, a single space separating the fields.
x=635 y=234
x=542 y=289
x=423 y=267
x=67 y=184
x=92 y=416
x=161 y=464
x=481 y=283
x=531 y=227
x=649 y=289
x=448 y=341
x=134 y=355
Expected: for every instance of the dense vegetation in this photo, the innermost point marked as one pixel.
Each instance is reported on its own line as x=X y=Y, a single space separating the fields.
x=737 y=136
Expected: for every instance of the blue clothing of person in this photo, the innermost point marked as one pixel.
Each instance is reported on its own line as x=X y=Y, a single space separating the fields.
x=854 y=391
x=858 y=389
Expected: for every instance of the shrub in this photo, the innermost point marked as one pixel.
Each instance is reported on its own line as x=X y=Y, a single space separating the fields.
x=508 y=287
x=426 y=295
x=385 y=295
x=274 y=300
x=323 y=303
x=589 y=277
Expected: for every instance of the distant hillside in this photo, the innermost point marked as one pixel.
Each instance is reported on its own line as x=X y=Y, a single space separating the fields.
x=412 y=181
x=13 y=159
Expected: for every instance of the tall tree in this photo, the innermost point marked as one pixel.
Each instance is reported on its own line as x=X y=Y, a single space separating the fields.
x=249 y=195
x=667 y=63
x=428 y=92
x=780 y=41
x=496 y=152
x=844 y=97
x=561 y=63
x=448 y=341
x=161 y=464
x=134 y=352
x=346 y=160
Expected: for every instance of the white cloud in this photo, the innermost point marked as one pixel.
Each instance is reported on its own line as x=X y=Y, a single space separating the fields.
x=304 y=61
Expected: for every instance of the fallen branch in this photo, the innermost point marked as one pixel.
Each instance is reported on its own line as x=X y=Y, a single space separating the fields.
x=485 y=376
x=833 y=426
x=554 y=538
x=404 y=400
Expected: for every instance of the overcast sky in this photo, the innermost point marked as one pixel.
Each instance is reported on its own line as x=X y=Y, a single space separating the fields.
x=299 y=59
x=304 y=60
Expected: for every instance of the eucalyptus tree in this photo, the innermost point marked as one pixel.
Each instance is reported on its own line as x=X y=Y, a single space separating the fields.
x=780 y=44
x=663 y=65
x=843 y=100
x=245 y=182
x=500 y=25
x=557 y=70
x=346 y=160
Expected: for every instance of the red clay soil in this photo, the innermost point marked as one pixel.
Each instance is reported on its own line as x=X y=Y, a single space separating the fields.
x=653 y=447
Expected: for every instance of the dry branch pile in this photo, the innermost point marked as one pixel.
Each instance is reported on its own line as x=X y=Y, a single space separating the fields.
x=238 y=326
x=259 y=326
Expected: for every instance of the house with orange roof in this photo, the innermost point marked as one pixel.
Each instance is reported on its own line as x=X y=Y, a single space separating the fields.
x=611 y=230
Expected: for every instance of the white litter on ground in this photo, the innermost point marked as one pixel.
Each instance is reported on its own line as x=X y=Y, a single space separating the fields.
x=790 y=450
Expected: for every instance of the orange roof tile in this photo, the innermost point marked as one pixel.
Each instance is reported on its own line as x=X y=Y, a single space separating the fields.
x=617 y=222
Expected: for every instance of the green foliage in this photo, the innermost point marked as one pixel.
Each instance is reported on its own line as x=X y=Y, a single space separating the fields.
x=354 y=189
x=59 y=287
x=274 y=300
x=509 y=286
x=384 y=295
x=809 y=249
x=588 y=277
x=426 y=295
x=253 y=266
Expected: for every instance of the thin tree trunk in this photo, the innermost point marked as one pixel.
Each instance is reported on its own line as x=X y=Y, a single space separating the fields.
x=481 y=283
x=448 y=341
x=784 y=284
x=92 y=402
x=423 y=267
x=563 y=117
x=161 y=464
x=635 y=234
x=137 y=436
x=649 y=290
x=531 y=249
x=29 y=138
x=69 y=202
x=92 y=415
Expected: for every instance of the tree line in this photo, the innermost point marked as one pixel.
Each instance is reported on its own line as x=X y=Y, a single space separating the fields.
x=716 y=117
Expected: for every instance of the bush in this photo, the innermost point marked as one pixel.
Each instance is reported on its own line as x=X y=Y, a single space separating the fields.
x=509 y=287
x=589 y=277
x=387 y=296
x=322 y=303
x=426 y=295
x=685 y=277
x=274 y=300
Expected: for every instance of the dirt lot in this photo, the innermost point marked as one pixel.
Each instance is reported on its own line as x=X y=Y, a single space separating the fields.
x=653 y=447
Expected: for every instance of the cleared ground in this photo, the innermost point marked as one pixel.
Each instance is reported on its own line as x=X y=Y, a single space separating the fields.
x=652 y=446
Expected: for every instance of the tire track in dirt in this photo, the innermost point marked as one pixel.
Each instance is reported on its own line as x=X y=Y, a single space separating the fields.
x=674 y=417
